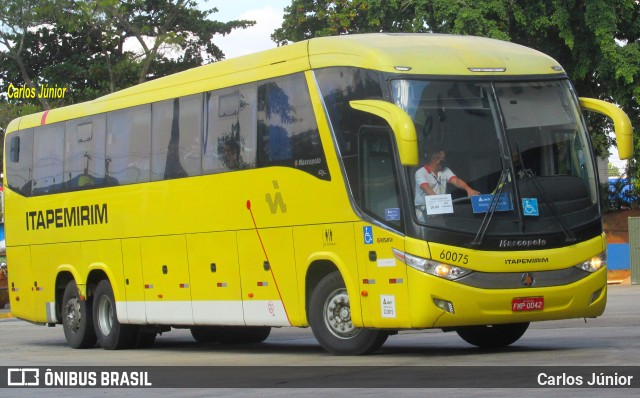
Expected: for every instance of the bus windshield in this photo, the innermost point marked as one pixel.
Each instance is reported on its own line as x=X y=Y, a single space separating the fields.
x=522 y=140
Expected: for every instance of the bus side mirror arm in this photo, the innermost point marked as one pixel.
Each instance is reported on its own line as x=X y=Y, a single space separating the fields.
x=401 y=124
x=621 y=123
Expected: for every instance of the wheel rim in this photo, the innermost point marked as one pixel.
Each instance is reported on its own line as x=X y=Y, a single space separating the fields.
x=105 y=316
x=73 y=317
x=337 y=315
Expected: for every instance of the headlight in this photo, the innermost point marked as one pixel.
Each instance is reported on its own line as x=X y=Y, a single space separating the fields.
x=446 y=271
x=595 y=263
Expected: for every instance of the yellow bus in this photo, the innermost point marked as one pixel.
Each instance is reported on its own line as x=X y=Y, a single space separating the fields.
x=282 y=189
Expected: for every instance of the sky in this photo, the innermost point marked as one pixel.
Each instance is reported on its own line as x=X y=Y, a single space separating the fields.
x=267 y=14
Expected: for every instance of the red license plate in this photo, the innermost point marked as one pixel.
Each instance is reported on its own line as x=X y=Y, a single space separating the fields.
x=527 y=304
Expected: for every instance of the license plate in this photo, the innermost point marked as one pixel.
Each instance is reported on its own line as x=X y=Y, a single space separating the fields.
x=527 y=304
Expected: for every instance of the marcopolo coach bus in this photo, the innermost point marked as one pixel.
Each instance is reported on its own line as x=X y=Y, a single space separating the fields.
x=279 y=189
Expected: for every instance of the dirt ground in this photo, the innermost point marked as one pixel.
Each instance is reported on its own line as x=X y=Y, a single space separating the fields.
x=616 y=225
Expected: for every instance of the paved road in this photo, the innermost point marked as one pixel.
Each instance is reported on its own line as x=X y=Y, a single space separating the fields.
x=611 y=340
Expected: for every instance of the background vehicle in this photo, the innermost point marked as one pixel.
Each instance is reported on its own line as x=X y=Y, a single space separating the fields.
x=277 y=190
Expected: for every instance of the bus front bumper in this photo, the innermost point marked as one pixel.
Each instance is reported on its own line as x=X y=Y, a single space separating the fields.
x=438 y=303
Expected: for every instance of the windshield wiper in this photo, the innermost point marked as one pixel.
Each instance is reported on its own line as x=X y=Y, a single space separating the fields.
x=497 y=192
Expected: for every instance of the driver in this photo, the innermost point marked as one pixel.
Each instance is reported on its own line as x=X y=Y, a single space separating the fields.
x=432 y=179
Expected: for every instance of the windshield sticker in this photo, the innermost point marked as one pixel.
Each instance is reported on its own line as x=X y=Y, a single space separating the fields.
x=482 y=203
x=438 y=204
x=392 y=214
x=530 y=207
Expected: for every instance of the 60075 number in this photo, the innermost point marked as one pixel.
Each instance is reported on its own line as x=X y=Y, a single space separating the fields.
x=454 y=257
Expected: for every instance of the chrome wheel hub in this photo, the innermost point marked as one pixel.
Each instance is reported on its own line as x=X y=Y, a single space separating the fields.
x=337 y=315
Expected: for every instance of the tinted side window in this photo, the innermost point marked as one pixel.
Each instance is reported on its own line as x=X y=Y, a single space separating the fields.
x=287 y=130
x=380 y=193
x=19 y=158
x=339 y=86
x=84 y=159
x=48 y=152
x=229 y=141
x=175 y=141
x=128 y=144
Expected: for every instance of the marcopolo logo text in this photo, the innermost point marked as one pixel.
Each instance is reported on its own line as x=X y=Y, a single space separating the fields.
x=522 y=243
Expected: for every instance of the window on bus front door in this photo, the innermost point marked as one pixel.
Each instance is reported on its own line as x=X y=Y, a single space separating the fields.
x=379 y=189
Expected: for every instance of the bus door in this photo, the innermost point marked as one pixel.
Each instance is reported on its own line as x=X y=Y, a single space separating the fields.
x=215 y=279
x=167 y=287
x=268 y=280
x=383 y=280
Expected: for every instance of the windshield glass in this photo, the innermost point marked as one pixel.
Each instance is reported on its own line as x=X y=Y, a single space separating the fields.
x=523 y=140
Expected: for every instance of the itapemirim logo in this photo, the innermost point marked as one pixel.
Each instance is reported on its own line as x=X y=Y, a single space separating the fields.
x=44 y=91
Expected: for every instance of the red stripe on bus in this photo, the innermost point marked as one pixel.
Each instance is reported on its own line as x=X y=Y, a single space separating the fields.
x=43 y=121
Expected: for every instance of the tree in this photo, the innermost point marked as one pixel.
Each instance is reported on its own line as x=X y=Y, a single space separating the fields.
x=81 y=45
x=596 y=41
x=612 y=170
x=16 y=18
x=72 y=59
x=164 y=24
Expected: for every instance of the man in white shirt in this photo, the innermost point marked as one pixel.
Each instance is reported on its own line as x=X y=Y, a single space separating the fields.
x=432 y=179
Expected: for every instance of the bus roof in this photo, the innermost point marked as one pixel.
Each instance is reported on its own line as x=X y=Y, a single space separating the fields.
x=411 y=53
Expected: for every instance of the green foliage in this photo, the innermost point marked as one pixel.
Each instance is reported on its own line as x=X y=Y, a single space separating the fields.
x=162 y=29
x=612 y=170
x=81 y=44
x=596 y=41
x=8 y=112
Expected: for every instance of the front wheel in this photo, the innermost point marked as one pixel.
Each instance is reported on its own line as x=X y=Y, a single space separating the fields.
x=77 y=321
x=330 y=320
x=492 y=336
x=111 y=334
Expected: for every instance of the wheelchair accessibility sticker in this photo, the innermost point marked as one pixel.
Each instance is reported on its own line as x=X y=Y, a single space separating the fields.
x=368 y=235
x=530 y=207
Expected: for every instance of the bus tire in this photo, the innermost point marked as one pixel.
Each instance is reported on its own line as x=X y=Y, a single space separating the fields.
x=77 y=319
x=244 y=334
x=230 y=334
x=111 y=334
x=330 y=320
x=145 y=339
x=492 y=336
x=205 y=334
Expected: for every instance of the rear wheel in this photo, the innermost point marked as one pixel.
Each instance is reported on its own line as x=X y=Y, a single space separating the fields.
x=230 y=334
x=330 y=320
x=111 y=334
x=492 y=336
x=145 y=339
x=77 y=320
x=245 y=334
x=204 y=334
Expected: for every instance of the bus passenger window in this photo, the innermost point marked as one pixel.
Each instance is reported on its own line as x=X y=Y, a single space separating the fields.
x=128 y=141
x=48 y=159
x=287 y=129
x=176 y=138
x=84 y=157
x=229 y=141
x=19 y=166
